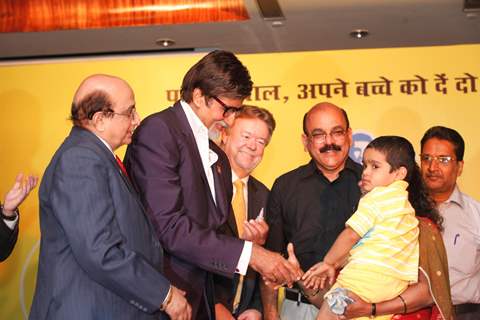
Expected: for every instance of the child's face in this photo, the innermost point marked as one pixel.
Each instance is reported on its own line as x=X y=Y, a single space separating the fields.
x=376 y=171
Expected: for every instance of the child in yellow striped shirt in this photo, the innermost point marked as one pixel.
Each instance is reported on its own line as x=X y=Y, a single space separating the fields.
x=380 y=241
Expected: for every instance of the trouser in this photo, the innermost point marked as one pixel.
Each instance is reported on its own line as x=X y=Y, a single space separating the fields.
x=467 y=311
x=294 y=308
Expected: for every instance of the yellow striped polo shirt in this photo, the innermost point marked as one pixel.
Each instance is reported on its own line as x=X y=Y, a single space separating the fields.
x=386 y=222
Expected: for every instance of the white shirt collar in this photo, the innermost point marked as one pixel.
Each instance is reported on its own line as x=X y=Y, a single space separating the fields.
x=235 y=178
x=456 y=197
x=194 y=121
x=106 y=144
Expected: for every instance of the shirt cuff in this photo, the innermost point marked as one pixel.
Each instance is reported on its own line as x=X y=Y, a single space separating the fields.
x=242 y=265
x=11 y=223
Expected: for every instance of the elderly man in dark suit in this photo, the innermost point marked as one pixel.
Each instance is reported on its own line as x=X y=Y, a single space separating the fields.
x=99 y=257
x=244 y=143
x=185 y=182
x=10 y=215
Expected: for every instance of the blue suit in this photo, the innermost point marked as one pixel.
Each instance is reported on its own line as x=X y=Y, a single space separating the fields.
x=99 y=257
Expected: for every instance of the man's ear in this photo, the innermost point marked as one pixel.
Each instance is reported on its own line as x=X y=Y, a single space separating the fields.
x=98 y=121
x=460 y=168
x=198 y=98
x=305 y=142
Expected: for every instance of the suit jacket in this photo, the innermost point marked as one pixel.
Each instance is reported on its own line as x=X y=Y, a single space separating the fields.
x=8 y=238
x=225 y=288
x=99 y=258
x=164 y=162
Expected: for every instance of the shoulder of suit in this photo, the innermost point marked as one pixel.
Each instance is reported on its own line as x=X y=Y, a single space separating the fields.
x=258 y=184
x=163 y=121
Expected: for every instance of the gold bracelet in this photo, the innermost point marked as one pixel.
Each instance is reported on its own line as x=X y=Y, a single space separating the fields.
x=404 y=303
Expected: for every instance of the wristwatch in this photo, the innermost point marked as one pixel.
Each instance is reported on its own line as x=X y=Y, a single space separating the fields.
x=8 y=218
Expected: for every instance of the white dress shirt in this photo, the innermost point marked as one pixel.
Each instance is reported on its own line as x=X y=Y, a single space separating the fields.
x=461 y=236
x=11 y=223
x=209 y=157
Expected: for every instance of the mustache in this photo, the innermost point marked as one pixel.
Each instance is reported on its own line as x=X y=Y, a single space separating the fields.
x=330 y=147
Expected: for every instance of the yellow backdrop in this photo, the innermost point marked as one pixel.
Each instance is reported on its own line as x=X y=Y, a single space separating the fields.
x=385 y=91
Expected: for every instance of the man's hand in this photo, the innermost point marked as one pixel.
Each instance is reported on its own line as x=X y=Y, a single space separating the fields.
x=178 y=307
x=18 y=193
x=292 y=259
x=250 y=314
x=316 y=276
x=255 y=231
x=273 y=267
x=222 y=313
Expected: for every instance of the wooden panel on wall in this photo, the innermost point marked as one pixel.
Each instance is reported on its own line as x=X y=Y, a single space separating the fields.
x=50 y=15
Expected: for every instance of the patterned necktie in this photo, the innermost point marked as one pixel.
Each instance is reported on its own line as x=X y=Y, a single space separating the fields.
x=122 y=167
x=239 y=210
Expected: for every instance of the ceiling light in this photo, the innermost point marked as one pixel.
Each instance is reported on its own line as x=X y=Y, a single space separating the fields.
x=359 y=33
x=165 y=42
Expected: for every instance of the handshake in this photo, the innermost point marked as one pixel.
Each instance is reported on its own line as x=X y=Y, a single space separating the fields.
x=277 y=271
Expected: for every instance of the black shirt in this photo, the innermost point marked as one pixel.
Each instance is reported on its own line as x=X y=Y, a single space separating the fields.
x=305 y=208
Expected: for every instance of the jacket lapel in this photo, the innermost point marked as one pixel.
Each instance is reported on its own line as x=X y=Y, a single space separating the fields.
x=223 y=204
x=254 y=205
x=187 y=132
x=108 y=156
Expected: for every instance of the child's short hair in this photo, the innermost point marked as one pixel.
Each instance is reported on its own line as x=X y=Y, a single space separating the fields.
x=398 y=153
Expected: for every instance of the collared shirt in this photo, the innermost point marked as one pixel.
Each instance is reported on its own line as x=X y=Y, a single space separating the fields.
x=305 y=208
x=11 y=223
x=106 y=144
x=386 y=221
x=200 y=132
x=461 y=236
x=209 y=157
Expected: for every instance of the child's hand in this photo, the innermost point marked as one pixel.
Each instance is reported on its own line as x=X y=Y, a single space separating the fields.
x=315 y=278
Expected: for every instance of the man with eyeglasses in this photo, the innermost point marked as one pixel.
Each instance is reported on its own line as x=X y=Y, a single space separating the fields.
x=186 y=184
x=99 y=257
x=244 y=143
x=442 y=163
x=309 y=206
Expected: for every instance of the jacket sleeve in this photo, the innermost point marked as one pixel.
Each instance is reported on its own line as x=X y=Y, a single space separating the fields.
x=8 y=238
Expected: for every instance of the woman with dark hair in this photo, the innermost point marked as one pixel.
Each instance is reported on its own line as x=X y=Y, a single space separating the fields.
x=429 y=298
x=378 y=240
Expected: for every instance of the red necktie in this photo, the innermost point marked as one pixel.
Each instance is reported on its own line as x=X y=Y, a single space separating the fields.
x=120 y=164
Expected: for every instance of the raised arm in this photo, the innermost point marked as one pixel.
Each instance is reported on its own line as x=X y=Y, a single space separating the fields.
x=317 y=275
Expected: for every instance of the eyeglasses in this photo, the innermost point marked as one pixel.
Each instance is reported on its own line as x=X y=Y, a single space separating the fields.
x=227 y=110
x=130 y=113
x=443 y=160
x=320 y=137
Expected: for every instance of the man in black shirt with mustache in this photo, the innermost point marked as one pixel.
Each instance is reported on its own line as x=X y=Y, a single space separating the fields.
x=309 y=206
